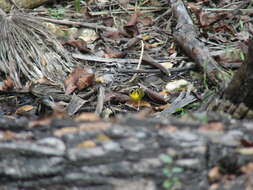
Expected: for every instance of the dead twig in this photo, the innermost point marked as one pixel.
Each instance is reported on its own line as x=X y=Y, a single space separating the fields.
x=78 y=24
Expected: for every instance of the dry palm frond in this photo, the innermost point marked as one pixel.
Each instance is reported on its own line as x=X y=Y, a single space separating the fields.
x=28 y=49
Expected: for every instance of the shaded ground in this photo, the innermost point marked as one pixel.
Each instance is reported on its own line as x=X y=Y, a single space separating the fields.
x=152 y=59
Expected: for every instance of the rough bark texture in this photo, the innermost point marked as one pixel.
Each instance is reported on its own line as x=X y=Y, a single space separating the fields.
x=6 y=4
x=65 y=154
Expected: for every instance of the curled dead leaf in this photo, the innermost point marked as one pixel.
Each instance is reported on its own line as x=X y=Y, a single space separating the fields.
x=25 y=108
x=6 y=84
x=78 y=79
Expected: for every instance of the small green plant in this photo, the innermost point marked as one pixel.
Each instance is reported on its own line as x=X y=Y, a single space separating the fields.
x=56 y=13
x=172 y=182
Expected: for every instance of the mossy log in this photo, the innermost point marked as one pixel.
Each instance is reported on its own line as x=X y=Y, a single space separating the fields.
x=6 y=4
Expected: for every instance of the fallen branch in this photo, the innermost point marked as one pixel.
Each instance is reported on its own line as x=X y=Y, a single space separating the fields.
x=187 y=37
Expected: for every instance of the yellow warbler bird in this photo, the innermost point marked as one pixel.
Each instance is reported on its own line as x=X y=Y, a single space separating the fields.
x=137 y=94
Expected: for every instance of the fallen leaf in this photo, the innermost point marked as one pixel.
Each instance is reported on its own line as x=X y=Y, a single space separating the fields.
x=80 y=44
x=78 y=79
x=23 y=109
x=131 y=27
x=112 y=35
x=207 y=19
x=133 y=19
x=6 y=84
x=113 y=53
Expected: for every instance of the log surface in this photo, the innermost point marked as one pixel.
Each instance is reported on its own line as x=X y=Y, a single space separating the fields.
x=65 y=154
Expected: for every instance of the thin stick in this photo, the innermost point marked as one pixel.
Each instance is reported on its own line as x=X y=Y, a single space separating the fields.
x=139 y=63
x=83 y=24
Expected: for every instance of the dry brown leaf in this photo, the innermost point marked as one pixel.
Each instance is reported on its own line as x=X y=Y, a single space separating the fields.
x=131 y=28
x=24 y=108
x=112 y=35
x=78 y=79
x=87 y=144
x=6 y=84
x=80 y=44
x=207 y=19
x=113 y=53
x=133 y=19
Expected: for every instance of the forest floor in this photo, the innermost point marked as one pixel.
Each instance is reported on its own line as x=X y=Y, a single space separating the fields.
x=137 y=65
